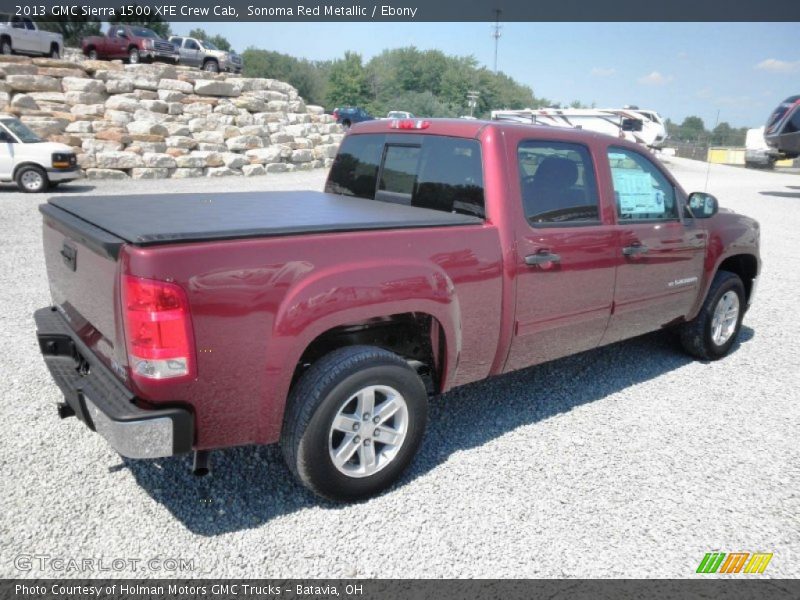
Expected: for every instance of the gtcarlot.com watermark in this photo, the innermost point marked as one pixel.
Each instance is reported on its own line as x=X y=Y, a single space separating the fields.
x=61 y=564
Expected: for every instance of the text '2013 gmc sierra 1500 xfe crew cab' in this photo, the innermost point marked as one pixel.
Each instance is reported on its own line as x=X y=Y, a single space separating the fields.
x=442 y=252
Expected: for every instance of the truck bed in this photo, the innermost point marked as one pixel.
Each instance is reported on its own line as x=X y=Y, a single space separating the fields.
x=145 y=220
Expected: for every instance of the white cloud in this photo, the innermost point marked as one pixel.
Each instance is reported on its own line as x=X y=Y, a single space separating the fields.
x=704 y=93
x=603 y=72
x=779 y=66
x=655 y=78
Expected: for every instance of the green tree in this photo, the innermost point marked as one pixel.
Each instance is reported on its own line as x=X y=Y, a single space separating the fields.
x=693 y=129
x=218 y=40
x=72 y=28
x=310 y=78
x=347 y=81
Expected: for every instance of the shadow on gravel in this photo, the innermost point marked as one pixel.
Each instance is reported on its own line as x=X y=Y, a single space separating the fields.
x=61 y=189
x=250 y=486
x=781 y=194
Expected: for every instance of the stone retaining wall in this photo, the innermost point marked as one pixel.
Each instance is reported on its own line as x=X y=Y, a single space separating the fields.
x=151 y=121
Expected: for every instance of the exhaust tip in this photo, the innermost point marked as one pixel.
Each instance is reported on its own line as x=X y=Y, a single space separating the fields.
x=201 y=463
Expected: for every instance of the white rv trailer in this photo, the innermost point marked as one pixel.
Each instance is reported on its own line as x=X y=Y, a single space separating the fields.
x=641 y=126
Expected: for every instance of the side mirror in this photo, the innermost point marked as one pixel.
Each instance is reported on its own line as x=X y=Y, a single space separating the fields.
x=702 y=205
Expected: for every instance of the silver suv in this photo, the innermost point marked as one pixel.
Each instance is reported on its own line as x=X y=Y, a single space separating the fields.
x=204 y=54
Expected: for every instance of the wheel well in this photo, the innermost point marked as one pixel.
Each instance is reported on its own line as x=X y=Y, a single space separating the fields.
x=5 y=38
x=416 y=337
x=133 y=47
x=27 y=164
x=346 y=123
x=210 y=59
x=54 y=45
x=745 y=266
x=89 y=48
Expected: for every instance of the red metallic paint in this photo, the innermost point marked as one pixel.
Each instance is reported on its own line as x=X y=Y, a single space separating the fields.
x=257 y=304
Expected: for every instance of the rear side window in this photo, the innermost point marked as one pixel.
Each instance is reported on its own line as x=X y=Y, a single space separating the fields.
x=435 y=172
x=558 y=183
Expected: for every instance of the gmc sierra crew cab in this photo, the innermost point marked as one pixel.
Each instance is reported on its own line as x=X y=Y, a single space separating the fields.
x=132 y=42
x=440 y=253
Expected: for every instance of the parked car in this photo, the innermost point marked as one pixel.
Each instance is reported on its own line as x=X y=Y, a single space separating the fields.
x=350 y=115
x=757 y=154
x=399 y=114
x=133 y=43
x=20 y=35
x=782 y=132
x=32 y=163
x=442 y=252
x=205 y=55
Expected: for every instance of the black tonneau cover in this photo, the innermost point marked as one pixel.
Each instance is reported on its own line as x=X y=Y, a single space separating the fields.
x=146 y=220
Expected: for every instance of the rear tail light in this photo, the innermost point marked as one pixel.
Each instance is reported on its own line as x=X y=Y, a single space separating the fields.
x=335 y=114
x=410 y=124
x=158 y=329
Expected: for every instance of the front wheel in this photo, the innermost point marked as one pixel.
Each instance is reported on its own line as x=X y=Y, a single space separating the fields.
x=93 y=54
x=32 y=179
x=710 y=335
x=133 y=56
x=211 y=66
x=354 y=422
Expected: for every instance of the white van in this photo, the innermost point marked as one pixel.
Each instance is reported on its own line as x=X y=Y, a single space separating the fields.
x=31 y=162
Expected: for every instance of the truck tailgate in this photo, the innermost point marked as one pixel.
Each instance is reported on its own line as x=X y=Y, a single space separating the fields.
x=82 y=272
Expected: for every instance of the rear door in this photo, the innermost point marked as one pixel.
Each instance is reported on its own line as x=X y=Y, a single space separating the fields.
x=190 y=53
x=565 y=252
x=660 y=254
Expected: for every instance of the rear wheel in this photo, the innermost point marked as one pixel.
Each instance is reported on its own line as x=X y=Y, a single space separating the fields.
x=32 y=179
x=710 y=335
x=354 y=422
x=5 y=47
x=54 y=53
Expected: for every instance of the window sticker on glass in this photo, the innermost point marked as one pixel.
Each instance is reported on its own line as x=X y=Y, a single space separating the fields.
x=637 y=196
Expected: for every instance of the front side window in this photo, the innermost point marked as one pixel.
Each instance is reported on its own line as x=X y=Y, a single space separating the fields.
x=641 y=191
x=29 y=25
x=435 y=172
x=557 y=182
x=191 y=45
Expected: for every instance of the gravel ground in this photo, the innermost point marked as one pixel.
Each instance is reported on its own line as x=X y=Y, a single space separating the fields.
x=628 y=461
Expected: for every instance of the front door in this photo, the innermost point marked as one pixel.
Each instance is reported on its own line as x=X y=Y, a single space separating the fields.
x=190 y=53
x=565 y=254
x=661 y=254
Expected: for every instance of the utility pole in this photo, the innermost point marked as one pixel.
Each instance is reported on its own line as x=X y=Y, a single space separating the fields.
x=472 y=101
x=496 y=35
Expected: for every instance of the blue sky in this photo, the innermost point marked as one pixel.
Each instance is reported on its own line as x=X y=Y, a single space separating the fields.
x=741 y=69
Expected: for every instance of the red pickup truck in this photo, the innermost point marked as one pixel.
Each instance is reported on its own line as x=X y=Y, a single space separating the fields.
x=130 y=42
x=442 y=252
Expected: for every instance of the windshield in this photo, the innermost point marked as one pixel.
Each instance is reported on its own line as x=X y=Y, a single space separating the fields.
x=19 y=129
x=144 y=32
x=777 y=116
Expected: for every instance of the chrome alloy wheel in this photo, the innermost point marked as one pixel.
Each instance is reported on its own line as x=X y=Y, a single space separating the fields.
x=368 y=431
x=726 y=316
x=32 y=180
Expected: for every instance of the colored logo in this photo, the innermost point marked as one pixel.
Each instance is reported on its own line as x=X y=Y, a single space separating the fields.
x=734 y=562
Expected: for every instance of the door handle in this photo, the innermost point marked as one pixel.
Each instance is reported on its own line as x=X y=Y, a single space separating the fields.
x=542 y=257
x=635 y=249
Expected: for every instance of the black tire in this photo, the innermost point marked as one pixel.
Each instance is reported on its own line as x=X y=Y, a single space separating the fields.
x=315 y=401
x=134 y=57
x=211 y=66
x=346 y=124
x=92 y=54
x=696 y=335
x=5 y=47
x=31 y=179
x=54 y=53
